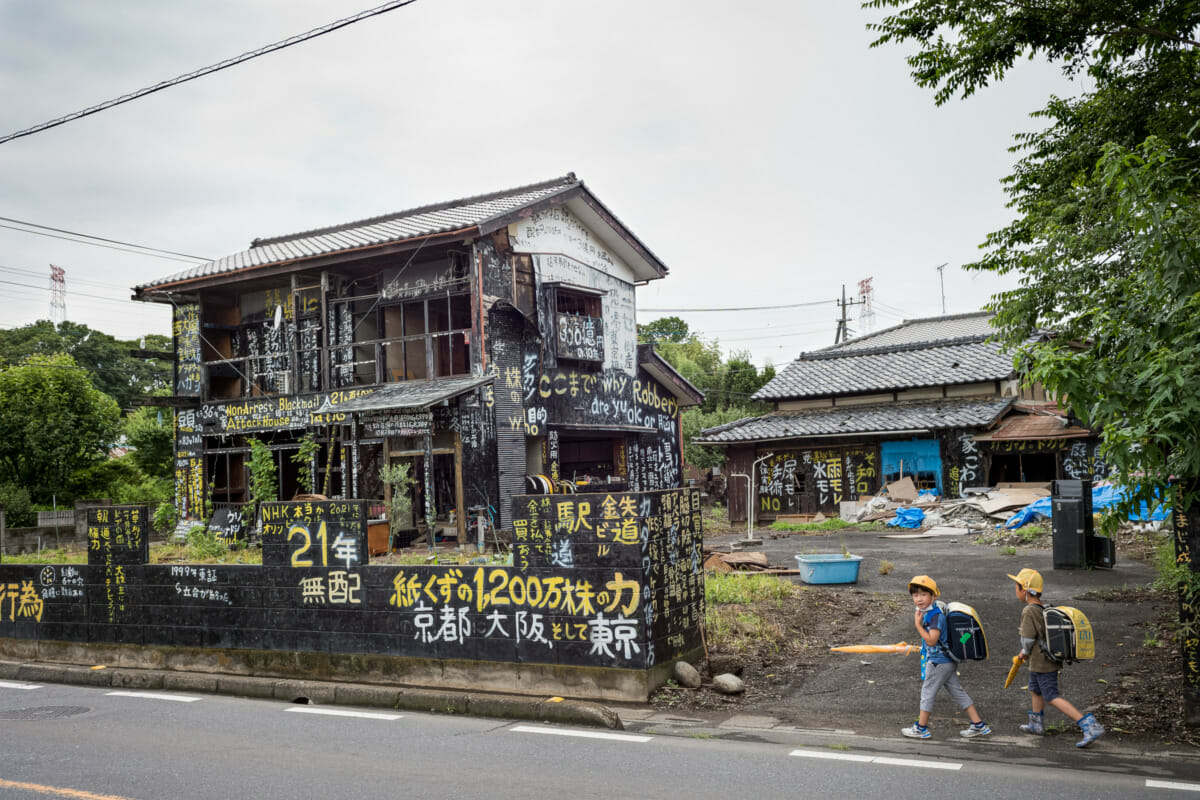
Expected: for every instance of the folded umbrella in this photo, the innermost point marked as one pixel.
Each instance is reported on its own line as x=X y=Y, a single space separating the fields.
x=903 y=648
x=1012 y=671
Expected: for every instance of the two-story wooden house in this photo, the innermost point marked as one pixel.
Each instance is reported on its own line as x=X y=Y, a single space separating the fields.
x=490 y=341
x=931 y=399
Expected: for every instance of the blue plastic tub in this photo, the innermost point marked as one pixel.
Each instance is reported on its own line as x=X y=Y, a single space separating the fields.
x=829 y=568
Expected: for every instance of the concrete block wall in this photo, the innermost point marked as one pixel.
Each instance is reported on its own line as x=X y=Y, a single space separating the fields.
x=616 y=587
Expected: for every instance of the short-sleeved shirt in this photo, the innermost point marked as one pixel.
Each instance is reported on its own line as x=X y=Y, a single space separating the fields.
x=1033 y=626
x=934 y=618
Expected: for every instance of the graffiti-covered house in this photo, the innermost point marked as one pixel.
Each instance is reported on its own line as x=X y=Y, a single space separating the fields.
x=931 y=399
x=489 y=342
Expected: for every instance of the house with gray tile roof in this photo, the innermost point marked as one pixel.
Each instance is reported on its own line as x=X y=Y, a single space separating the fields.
x=915 y=400
x=489 y=342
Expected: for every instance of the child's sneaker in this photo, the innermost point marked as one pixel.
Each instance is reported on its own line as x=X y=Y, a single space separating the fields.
x=917 y=731
x=976 y=729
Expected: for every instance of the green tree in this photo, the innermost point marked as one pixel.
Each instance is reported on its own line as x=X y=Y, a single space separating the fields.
x=664 y=329
x=1106 y=198
x=696 y=420
x=113 y=370
x=150 y=431
x=53 y=423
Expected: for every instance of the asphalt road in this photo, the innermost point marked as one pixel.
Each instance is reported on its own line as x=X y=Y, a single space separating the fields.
x=99 y=744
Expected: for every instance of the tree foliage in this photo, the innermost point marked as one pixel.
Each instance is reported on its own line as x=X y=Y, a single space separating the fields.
x=53 y=423
x=107 y=360
x=728 y=384
x=151 y=434
x=1106 y=199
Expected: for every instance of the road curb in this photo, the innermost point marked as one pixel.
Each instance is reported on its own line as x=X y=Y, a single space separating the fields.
x=552 y=710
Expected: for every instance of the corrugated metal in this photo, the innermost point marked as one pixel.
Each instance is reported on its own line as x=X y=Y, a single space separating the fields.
x=877 y=419
x=411 y=394
x=395 y=227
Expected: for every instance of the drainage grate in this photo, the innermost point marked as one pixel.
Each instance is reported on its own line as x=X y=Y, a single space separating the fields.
x=43 y=712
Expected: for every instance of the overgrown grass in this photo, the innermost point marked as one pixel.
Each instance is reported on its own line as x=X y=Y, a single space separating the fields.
x=831 y=524
x=57 y=555
x=735 y=608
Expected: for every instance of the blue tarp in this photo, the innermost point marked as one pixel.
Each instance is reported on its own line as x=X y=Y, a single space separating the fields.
x=907 y=517
x=1102 y=498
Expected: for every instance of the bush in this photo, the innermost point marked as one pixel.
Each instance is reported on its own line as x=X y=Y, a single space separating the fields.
x=18 y=510
x=204 y=543
x=166 y=517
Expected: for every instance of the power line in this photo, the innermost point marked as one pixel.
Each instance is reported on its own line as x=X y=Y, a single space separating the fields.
x=746 y=308
x=187 y=257
x=229 y=62
x=76 y=281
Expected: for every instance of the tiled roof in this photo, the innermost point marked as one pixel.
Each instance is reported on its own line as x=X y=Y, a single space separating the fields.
x=904 y=366
x=426 y=220
x=927 y=329
x=875 y=419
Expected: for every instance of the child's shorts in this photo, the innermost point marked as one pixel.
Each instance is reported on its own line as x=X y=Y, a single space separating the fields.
x=1044 y=684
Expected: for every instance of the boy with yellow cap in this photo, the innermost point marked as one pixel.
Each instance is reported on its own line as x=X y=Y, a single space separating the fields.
x=938 y=669
x=1043 y=670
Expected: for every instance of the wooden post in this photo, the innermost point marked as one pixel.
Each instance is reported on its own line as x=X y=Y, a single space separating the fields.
x=458 y=490
x=1187 y=548
x=429 y=509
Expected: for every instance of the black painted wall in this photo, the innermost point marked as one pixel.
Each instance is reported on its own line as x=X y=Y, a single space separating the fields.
x=598 y=580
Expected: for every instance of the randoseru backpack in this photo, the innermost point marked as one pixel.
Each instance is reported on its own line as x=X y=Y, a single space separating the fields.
x=965 y=640
x=1068 y=635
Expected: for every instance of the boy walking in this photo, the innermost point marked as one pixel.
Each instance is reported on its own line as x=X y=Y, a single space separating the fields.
x=938 y=670
x=1043 y=670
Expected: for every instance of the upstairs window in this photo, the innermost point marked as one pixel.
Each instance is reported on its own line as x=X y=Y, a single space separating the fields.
x=578 y=323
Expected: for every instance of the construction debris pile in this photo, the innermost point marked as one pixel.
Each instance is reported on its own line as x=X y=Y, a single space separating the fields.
x=902 y=505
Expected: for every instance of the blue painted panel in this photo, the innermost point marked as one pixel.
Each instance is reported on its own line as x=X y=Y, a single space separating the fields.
x=921 y=459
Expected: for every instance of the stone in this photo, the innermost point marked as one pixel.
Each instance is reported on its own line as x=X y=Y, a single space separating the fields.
x=728 y=684
x=686 y=675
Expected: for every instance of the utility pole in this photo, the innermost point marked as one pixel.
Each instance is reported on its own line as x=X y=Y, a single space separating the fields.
x=843 y=332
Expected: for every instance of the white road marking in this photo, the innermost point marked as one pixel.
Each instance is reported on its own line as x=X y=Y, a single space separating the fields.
x=895 y=762
x=334 y=712
x=12 y=685
x=1183 y=787
x=619 y=737
x=178 y=698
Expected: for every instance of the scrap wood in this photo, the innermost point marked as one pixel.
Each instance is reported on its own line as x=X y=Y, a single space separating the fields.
x=744 y=562
x=744 y=557
x=715 y=563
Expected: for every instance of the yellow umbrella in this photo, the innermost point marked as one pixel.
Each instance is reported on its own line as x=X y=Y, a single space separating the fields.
x=903 y=648
x=1012 y=671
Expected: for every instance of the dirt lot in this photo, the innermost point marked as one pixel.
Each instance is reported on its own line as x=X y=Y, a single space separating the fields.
x=1143 y=703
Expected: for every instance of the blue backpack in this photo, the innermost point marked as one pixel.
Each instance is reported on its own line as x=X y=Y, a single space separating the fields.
x=965 y=640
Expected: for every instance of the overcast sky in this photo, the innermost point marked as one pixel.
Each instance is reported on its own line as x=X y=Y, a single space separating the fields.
x=761 y=149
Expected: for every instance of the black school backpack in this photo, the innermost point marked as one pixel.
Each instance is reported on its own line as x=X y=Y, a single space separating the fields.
x=965 y=640
x=1068 y=635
